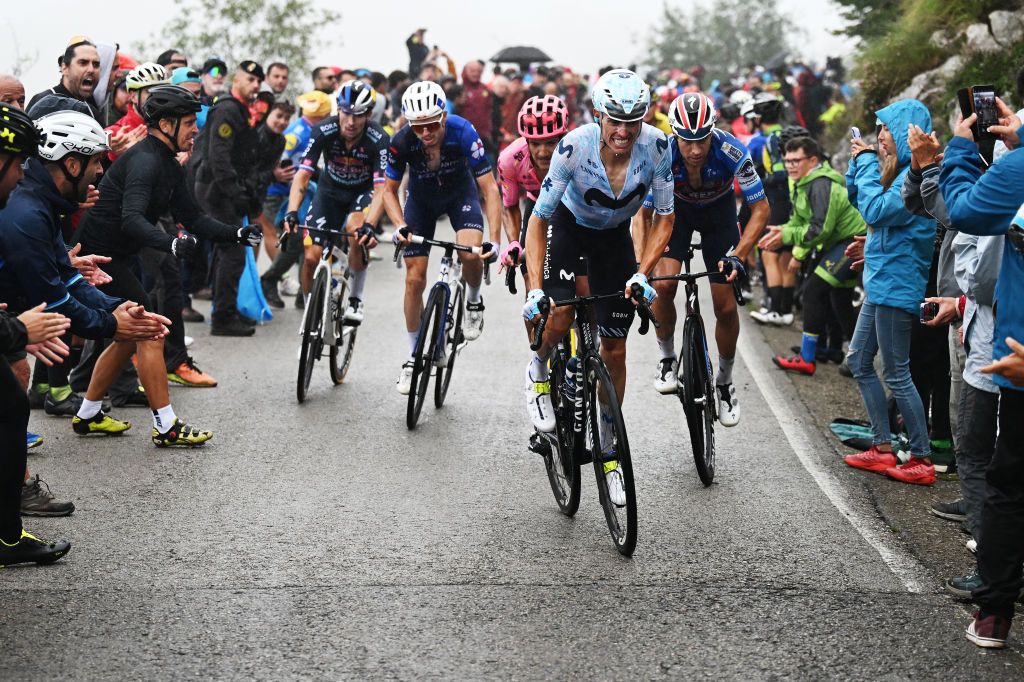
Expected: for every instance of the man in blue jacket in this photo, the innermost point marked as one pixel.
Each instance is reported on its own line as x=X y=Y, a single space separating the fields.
x=990 y=203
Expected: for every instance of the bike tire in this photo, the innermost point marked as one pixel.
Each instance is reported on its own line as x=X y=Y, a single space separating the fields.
x=453 y=339
x=312 y=327
x=561 y=465
x=423 y=357
x=341 y=351
x=622 y=524
x=698 y=397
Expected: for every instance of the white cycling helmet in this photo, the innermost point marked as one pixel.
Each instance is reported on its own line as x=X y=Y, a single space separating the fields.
x=740 y=97
x=423 y=100
x=71 y=132
x=747 y=110
x=146 y=76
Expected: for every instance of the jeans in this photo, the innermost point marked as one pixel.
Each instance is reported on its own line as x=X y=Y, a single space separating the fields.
x=976 y=441
x=888 y=329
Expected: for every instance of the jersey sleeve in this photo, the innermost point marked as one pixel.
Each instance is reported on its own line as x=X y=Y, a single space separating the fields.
x=560 y=172
x=397 y=158
x=662 y=183
x=380 y=164
x=750 y=181
x=314 y=149
x=508 y=179
x=473 y=148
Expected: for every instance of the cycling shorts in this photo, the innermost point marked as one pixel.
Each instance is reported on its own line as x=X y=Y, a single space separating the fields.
x=330 y=211
x=834 y=266
x=610 y=262
x=719 y=232
x=422 y=212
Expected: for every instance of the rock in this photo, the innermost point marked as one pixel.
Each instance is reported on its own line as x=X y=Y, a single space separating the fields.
x=941 y=39
x=1007 y=27
x=980 y=40
x=930 y=82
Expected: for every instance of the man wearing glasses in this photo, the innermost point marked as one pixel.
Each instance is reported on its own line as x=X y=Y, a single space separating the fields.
x=325 y=80
x=213 y=75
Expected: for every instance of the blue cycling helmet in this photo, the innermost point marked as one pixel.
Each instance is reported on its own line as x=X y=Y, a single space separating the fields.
x=621 y=95
x=356 y=98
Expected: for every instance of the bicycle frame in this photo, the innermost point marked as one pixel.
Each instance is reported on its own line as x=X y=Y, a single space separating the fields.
x=451 y=269
x=329 y=334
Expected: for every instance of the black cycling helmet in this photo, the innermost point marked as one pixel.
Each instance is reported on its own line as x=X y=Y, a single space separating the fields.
x=169 y=101
x=791 y=132
x=19 y=135
x=767 y=106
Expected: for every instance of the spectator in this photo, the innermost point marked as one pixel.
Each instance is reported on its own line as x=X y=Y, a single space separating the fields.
x=324 y=80
x=191 y=81
x=417 y=50
x=118 y=106
x=277 y=79
x=478 y=107
x=213 y=74
x=380 y=113
x=131 y=128
x=510 y=108
x=172 y=59
x=79 y=75
x=270 y=147
x=12 y=92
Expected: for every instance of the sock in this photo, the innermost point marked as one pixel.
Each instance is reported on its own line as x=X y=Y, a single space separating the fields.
x=774 y=299
x=668 y=347
x=60 y=393
x=89 y=408
x=413 y=336
x=724 y=371
x=41 y=389
x=538 y=368
x=472 y=293
x=809 y=348
x=163 y=419
x=358 y=281
x=786 y=306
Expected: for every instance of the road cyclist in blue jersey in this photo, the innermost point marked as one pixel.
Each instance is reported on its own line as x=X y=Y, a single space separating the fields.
x=597 y=181
x=705 y=161
x=448 y=172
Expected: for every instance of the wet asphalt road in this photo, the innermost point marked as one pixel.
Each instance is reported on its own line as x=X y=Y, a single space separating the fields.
x=325 y=541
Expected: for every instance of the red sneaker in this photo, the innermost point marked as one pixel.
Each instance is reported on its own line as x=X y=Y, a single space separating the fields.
x=989 y=632
x=795 y=364
x=916 y=471
x=872 y=460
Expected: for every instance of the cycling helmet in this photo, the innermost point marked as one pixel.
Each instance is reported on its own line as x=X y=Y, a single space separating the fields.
x=423 y=100
x=70 y=132
x=692 y=116
x=146 y=76
x=747 y=109
x=621 y=95
x=314 y=103
x=543 y=117
x=740 y=97
x=767 y=105
x=356 y=98
x=791 y=132
x=169 y=101
x=19 y=135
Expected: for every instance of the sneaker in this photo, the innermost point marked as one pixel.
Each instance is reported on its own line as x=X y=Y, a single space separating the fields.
x=728 y=406
x=538 y=401
x=916 y=471
x=192 y=315
x=972 y=545
x=872 y=460
x=232 y=326
x=33 y=440
x=943 y=457
x=270 y=293
x=404 y=383
x=181 y=433
x=187 y=374
x=616 y=490
x=474 y=323
x=288 y=286
x=989 y=632
x=101 y=423
x=795 y=364
x=354 y=310
x=665 y=381
x=783 y=320
x=31 y=550
x=844 y=369
x=62 y=408
x=951 y=511
x=962 y=586
x=37 y=500
x=761 y=315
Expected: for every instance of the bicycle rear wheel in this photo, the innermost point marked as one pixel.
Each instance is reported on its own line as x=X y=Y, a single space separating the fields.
x=610 y=452
x=423 y=357
x=452 y=341
x=562 y=469
x=698 y=397
x=312 y=334
x=341 y=351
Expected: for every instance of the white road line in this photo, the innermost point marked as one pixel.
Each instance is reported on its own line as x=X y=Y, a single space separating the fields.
x=903 y=566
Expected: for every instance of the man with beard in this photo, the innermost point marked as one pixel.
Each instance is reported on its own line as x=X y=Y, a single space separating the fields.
x=80 y=73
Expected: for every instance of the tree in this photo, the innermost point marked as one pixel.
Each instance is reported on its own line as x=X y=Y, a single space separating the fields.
x=724 y=39
x=868 y=19
x=262 y=30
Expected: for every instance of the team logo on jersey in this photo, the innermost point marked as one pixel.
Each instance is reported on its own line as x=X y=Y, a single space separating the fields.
x=661 y=143
x=746 y=174
x=547 y=183
x=477 y=149
x=564 y=148
x=596 y=196
x=732 y=151
x=568 y=276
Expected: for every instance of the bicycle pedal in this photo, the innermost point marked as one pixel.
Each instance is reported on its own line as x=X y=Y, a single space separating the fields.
x=539 y=445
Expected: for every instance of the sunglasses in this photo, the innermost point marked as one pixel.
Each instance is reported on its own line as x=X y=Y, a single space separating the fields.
x=216 y=71
x=422 y=129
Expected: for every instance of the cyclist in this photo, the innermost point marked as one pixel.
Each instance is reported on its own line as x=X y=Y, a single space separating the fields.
x=355 y=153
x=705 y=161
x=443 y=153
x=598 y=179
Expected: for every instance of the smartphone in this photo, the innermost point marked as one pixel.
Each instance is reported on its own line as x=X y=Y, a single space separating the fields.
x=854 y=132
x=285 y=163
x=929 y=311
x=984 y=102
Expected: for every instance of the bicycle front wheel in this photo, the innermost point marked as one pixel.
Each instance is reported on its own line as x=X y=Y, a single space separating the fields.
x=698 y=397
x=345 y=341
x=609 y=447
x=312 y=334
x=452 y=341
x=562 y=469
x=431 y=324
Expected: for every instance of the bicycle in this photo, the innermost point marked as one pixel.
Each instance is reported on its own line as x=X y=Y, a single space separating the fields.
x=696 y=389
x=323 y=321
x=440 y=337
x=582 y=388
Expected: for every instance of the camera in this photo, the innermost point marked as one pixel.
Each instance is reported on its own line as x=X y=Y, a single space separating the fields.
x=929 y=311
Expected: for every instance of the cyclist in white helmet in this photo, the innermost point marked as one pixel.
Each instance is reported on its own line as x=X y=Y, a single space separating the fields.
x=131 y=127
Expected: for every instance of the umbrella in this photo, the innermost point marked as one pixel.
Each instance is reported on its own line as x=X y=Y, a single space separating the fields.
x=521 y=55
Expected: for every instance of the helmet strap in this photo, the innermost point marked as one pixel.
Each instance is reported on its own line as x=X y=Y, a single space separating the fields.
x=74 y=179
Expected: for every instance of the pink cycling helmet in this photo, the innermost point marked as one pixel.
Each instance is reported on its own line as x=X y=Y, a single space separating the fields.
x=543 y=117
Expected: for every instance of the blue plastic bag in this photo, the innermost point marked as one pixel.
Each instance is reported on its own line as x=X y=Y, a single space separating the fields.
x=251 y=302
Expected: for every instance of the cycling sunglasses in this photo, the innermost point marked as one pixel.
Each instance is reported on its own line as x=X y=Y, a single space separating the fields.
x=422 y=129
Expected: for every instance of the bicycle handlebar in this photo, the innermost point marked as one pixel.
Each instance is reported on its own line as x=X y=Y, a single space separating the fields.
x=510 y=273
x=643 y=309
x=544 y=306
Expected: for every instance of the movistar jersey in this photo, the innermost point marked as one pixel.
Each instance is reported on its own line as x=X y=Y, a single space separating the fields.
x=462 y=158
x=296 y=139
x=577 y=178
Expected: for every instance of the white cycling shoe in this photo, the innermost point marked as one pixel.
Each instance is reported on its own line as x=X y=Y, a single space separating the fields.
x=538 y=402
x=473 y=325
x=728 y=406
x=404 y=383
x=665 y=381
x=616 y=490
x=354 y=311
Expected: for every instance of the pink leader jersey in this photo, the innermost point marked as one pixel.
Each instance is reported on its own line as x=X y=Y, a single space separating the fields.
x=515 y=170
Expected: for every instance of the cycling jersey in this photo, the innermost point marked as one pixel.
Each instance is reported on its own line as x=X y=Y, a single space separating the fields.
x=346 y=170
x=516 y=173
x=728 y=158
x=578 y=180
x=296 y=140
x=462 y=153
